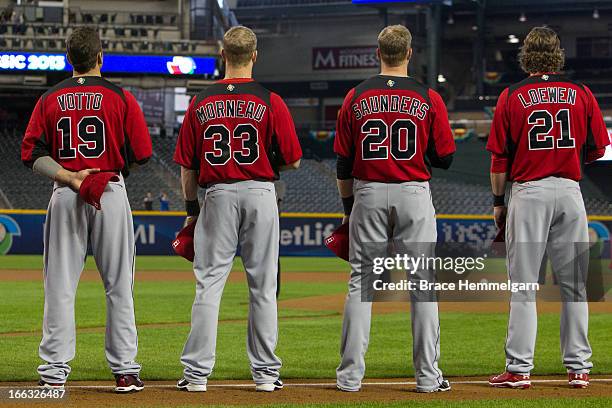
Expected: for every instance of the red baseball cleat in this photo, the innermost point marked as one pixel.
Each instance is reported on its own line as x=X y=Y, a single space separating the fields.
x=578 y=380
x=128 y=383
x=510 y=380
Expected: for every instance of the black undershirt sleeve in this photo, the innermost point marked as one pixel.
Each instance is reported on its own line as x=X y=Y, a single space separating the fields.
x=344 y=167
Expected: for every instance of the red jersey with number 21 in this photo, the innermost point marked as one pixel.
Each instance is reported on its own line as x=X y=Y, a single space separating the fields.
x=237 y=130
x=542 y=127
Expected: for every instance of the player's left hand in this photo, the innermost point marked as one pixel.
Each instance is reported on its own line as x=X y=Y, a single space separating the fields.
x=499 y=213
x=345 y=219
x=76 y=178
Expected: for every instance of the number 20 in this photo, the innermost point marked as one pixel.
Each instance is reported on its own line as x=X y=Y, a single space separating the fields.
x=402 y=142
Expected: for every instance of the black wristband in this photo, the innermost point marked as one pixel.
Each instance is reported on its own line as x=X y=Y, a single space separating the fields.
x=499 y=200
x=347 y=203
x=192 y=207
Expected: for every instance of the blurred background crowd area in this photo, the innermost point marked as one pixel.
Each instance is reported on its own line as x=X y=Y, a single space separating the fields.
x=311 y=52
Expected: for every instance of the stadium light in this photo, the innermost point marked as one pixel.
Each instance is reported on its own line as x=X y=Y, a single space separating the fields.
x=512 y=39
x=595 y=14
x=441 y=78
x=522 y=18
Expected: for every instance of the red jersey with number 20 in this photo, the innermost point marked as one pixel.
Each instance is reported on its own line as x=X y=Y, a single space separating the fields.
x=87 y=122
x=392 y=127
x=237 y=130
x=542 y=126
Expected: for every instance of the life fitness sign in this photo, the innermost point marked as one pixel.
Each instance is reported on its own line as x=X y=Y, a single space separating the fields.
x=333 y=58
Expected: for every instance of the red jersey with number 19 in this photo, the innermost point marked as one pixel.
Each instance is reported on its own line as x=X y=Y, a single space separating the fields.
x=542 y=126
x=237 y=130
x=87 y=122
x=392 y=127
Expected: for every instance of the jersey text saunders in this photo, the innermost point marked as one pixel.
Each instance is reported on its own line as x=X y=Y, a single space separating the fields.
x=390 y=103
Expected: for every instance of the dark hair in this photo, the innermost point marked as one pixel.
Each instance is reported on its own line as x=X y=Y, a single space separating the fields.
x=82 y=48
x=541 y=51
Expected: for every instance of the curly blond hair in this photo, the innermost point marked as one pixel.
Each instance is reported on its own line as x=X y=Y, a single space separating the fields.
x=541 y=51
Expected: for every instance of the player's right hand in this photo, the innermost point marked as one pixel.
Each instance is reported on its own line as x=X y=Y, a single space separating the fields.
x=77 y=178
x=189 y=220
x=499 y=213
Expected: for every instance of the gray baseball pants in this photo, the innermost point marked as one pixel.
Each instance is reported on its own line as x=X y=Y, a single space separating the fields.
x=242 y=213
x=70 y=224
x=548 y=215
x=383 y=213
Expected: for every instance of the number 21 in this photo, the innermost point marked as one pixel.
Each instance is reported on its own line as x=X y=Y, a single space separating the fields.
x=539 y=134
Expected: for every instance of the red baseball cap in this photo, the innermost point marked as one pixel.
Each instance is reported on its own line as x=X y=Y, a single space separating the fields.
x=183 y=244
x=94 y=185
x=338 y=241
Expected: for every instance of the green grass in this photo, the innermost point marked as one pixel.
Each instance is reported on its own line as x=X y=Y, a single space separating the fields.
x=498 y=403
x=175 y=263
x=156 y=302
x=471 y=344
x=584 y=402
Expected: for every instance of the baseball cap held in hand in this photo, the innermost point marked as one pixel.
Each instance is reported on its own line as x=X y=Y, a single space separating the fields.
x=338 y=241
x=183 y=244
x=94 y=185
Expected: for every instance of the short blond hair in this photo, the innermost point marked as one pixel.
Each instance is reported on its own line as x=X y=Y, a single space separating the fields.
x=239 y=44
x=541 y=51
x=393 y=43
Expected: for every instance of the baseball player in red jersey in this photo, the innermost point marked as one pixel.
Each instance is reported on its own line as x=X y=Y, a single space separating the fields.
x=391 y=129
x=543 y=128
x=235 y=136
x=81 y=126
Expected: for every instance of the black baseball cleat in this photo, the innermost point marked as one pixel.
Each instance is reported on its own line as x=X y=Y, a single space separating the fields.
x=51 y=386
x=128 y=383
x=270 y=387
x=443 y=387
x=185 y=385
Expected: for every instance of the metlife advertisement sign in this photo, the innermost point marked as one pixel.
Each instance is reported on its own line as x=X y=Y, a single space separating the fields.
x=113 y=63
x=21 y=232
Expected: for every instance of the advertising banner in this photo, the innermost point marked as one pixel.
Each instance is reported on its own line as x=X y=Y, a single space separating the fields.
x=302 y=234
x=333 y=58
x=113 y=63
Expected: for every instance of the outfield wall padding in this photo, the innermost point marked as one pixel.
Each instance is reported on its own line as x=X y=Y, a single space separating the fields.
x=302 y=234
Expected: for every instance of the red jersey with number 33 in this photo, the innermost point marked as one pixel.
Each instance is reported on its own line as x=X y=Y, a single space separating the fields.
x=392 y=127
x=87 y=122
x=237 y=130
x=543 y=126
